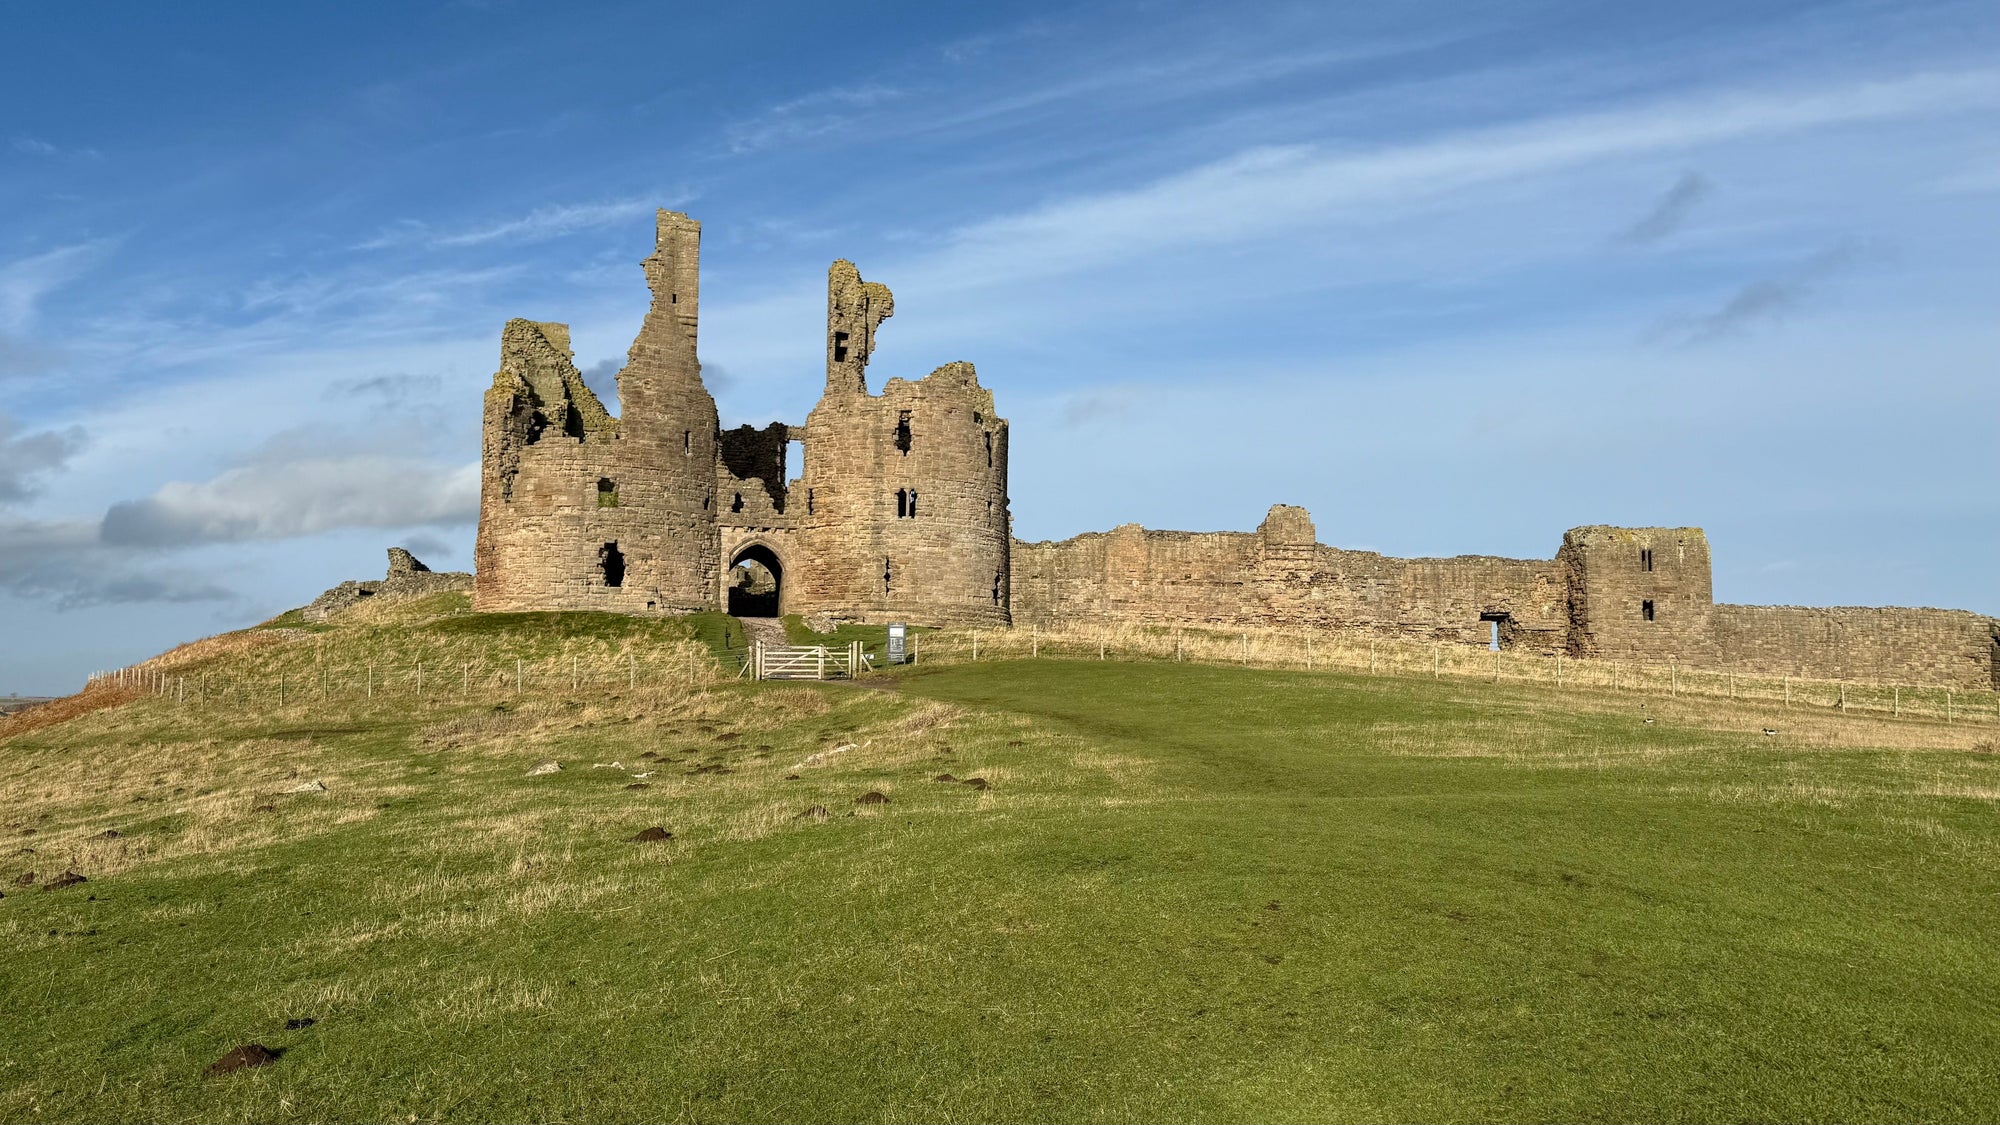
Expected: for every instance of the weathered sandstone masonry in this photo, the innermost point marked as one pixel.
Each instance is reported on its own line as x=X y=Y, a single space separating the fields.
x=1612 y=593
x=893 y=506
x=899 y=510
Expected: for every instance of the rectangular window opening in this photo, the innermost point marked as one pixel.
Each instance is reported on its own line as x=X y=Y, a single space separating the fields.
x=1646 y=608
x=840 y=347
x=1645 y=558
x=902 y=503
x=989 y=449
x=886 y=571
x=611 y=561
x=903 y=432
x=607 y=493
x=687 y=443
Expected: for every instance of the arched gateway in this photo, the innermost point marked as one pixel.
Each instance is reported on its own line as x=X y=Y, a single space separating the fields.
x=756 y=582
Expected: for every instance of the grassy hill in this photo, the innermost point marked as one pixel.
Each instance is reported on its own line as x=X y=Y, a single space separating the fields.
x=1181 y=892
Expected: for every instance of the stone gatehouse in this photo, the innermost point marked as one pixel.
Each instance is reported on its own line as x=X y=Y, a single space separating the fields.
x=899 y=512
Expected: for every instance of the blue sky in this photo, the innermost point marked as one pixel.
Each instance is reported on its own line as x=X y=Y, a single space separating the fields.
x=1454 y=276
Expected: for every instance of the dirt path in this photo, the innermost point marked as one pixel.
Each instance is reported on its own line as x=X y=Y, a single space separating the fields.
x=767 y=629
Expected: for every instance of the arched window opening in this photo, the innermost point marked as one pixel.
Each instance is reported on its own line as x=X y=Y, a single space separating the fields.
x=913 y=503
x=736 y=505
x=902 y=503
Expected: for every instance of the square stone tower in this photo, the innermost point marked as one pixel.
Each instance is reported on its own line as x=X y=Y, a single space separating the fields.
x=1638 y=592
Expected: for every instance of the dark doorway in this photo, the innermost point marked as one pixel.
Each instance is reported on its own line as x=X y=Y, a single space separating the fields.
x=755 y=580
x=611 y=561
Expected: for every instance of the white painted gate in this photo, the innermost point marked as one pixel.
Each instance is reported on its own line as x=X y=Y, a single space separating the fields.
x=806 y=662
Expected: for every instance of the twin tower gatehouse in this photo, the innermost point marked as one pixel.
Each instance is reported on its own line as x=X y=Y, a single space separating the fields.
x=897 y=507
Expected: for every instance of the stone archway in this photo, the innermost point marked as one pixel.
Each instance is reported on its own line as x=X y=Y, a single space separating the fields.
x=756 y=582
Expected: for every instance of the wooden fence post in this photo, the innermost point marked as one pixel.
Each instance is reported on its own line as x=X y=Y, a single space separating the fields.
x=1035 y=640
x=975 y=646
x=371 y=679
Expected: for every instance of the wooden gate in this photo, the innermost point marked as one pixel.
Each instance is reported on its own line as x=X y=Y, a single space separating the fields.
x=806 y=662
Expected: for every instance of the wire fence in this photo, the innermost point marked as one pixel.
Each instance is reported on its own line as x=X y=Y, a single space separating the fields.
x=308 y=677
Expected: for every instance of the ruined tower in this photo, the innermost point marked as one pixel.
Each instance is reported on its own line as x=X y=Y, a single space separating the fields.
x=906 y=492
x=580 y=510
x=1638 y=591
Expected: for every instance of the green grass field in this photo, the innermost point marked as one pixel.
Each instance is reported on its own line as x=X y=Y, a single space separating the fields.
x=1190 y=893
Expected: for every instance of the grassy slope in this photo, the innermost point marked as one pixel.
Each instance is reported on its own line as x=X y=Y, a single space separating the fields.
x=1192 y=893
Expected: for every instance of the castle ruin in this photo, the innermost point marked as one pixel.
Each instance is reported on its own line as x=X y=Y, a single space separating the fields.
x=899 y=512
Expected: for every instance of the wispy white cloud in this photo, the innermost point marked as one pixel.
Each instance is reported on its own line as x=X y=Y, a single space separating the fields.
x=816 y=114
x=1270 y=190
x=33 y=146
x=25 y=281
x=541 y=223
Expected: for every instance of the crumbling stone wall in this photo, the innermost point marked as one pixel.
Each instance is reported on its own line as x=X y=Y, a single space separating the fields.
x=1280 y=576
x=407 y=579
x=1911 y=646
x=1610 y=593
